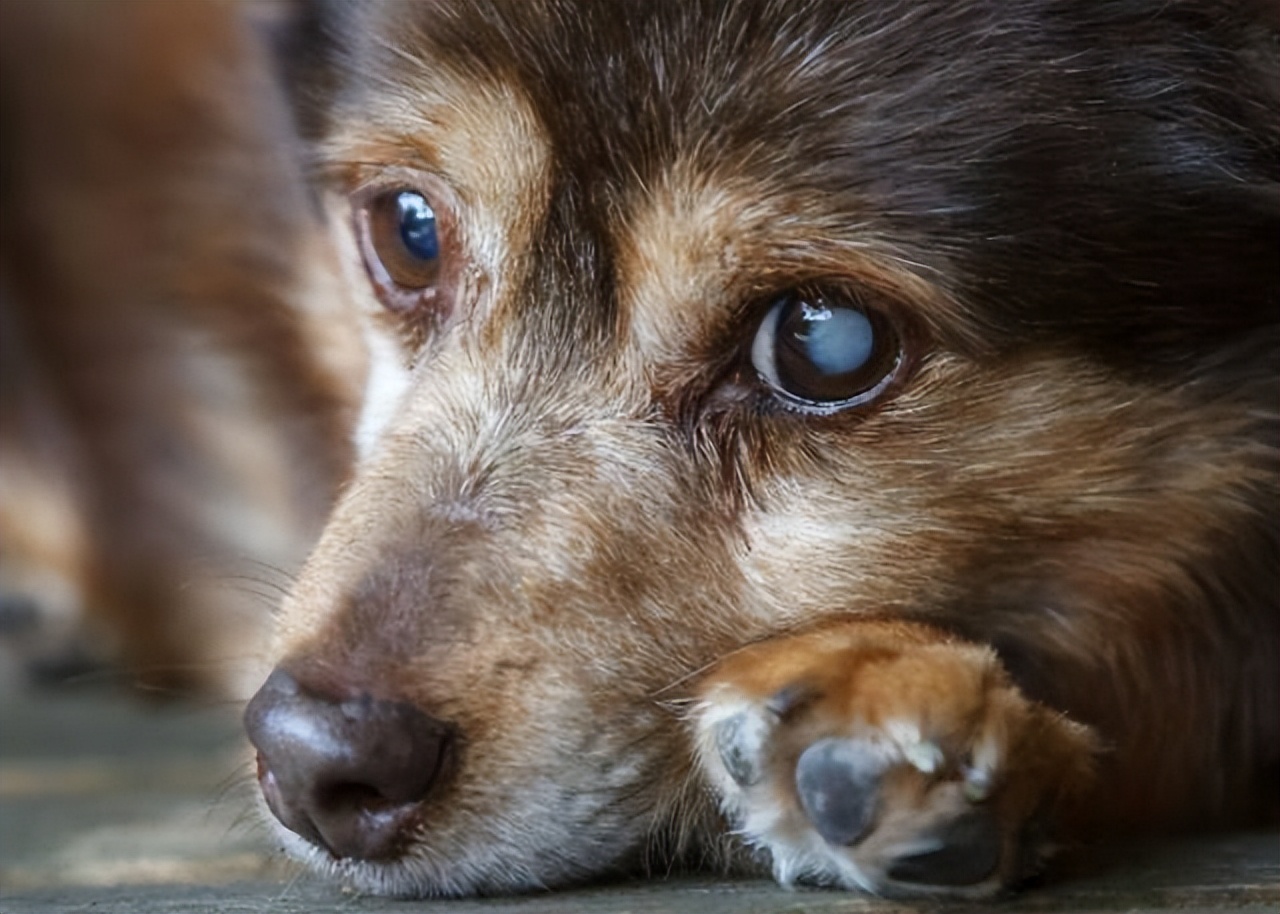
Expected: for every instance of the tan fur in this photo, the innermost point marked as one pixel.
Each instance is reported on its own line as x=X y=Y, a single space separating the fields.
x=698 y=243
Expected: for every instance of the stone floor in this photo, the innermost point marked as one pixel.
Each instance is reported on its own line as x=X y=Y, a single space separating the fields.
x=109 y=807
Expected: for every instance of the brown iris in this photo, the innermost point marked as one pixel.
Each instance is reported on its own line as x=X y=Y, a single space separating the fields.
x=401 y=246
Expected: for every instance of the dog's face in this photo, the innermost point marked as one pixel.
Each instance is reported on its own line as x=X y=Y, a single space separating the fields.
x=697 y=322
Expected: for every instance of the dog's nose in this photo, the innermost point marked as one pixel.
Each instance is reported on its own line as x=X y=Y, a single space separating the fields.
x=348 y=775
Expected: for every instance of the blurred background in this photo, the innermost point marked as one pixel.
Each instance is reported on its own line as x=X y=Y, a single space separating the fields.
x=177 y=376
x=175 y=379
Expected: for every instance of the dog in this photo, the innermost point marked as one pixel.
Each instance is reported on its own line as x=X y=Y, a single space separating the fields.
x=837 y=438
x=833 y=439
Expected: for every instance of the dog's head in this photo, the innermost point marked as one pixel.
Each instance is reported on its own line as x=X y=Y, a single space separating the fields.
x=695 y=322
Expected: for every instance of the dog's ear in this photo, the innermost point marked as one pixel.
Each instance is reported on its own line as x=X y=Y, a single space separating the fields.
x=309 y=40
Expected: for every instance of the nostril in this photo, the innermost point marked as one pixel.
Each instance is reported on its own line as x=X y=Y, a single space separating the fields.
x=354 y=796
x=347 y=775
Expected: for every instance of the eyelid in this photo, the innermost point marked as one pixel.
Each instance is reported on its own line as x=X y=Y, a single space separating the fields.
x=442 y=197
x=372 y=179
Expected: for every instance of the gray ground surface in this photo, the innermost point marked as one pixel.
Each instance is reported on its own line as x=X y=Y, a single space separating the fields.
x=110 y=807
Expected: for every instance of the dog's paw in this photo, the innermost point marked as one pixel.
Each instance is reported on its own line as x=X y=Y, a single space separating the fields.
x=886 y=757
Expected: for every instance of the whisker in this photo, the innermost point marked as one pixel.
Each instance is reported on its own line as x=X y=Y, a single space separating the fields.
x=288 y=887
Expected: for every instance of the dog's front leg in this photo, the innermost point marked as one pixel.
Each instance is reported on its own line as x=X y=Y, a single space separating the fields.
x=887 y=756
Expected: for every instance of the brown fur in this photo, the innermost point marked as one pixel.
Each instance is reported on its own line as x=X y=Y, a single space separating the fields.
x=583 y=500
x=1038 y=573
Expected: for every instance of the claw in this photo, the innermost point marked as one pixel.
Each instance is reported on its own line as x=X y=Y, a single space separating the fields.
x=977 y=784
x=925 y=757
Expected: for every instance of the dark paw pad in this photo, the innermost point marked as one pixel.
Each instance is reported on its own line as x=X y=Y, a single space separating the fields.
x=737 y=743
x=838 y=782
x=965 y=851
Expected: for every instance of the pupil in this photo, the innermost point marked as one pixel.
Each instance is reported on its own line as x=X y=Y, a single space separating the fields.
x=837 y=340
x=417 y=226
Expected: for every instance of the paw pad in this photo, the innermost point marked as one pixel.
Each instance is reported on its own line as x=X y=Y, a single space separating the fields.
x=738 y=741
x=838 y=781
x=964 y=851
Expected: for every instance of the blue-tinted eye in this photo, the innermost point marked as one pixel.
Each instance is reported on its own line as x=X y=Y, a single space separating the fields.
x=402 y=246
x=837 y=341
x=417 y=222
x=822 y=353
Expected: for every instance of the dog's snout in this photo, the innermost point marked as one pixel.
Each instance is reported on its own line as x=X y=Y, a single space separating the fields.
x=349 y=775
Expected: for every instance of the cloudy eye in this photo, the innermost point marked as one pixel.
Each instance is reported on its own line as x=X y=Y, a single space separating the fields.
x=823 y=353
x=401 y=246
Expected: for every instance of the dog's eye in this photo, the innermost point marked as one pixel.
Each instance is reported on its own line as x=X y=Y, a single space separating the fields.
x=823 y=353
x=401 y=241
x=404 y=236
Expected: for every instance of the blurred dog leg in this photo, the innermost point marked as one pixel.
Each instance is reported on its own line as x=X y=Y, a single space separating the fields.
x=43 y=540
x=180 y=375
